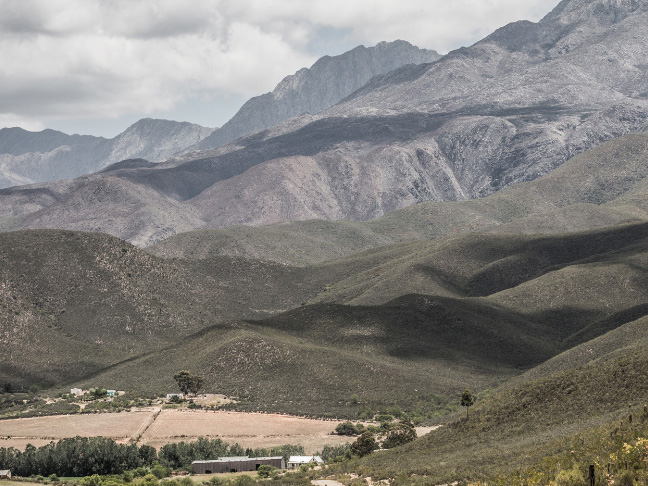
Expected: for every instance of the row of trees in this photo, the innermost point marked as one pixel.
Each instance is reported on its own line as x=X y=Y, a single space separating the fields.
x=182 y=454
x=78 y=456
x=83 y=456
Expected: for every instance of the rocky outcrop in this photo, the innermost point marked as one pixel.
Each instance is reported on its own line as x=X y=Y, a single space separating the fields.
x=327 y=82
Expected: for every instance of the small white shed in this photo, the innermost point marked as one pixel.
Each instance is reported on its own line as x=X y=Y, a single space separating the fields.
x=5 y=474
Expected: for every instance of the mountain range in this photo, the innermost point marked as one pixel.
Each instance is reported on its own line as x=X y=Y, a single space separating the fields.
x=29 y=157
x=508 y=109
x=479 y=221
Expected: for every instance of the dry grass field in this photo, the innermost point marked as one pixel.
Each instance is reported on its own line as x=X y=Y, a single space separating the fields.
x=252 y=430
x=114 y=425
x=247 y=429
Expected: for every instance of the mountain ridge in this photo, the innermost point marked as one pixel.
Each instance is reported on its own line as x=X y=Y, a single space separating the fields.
x=476 y=121
x=311 y=90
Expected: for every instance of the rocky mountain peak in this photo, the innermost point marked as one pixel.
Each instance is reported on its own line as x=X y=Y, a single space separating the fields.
x=606 y=12
x=311 y=90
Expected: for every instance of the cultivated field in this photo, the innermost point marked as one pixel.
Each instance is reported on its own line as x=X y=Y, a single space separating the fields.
x=159 y=428
x=117 y=426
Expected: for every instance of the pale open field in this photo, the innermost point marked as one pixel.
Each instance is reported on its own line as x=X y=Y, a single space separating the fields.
x=168 y=426
x=247 y=429
x=114 y=425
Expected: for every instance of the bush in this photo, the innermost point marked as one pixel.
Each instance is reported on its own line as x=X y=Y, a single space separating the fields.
x=384 y=418
x=244 y=480
x=216 y=481
x=573 y=477
x=626 y=479
x=149 y=479
x=266 y=471
x=347 y=428
x=159 y=471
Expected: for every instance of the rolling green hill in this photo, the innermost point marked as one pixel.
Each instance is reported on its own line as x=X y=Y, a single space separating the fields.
x=472 y=310
x=89 y=300
x=571 y=410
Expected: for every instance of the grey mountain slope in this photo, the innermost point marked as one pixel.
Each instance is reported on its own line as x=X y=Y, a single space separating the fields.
x=328 y=81
x=509 y=109
x=603 y=187
x=28 y=157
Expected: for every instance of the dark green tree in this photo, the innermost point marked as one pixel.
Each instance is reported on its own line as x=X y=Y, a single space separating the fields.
x=346 y=428
x=267 y=471
x=183 y=379
x=467 y=400
x=196 y=384
x=188 y=382
x=364 y=445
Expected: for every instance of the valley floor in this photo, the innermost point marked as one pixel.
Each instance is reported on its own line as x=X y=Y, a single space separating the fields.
x=157 y=428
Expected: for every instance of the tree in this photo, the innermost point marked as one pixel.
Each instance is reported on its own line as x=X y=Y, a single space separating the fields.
x=267 y=471
x=188 y=382
x=365 y=444
x=346 y=428
x=196 y=384
x=467 y=400
x=400 y=433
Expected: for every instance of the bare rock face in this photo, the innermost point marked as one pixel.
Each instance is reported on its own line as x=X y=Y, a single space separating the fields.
x=508 y=109
x=326 y=83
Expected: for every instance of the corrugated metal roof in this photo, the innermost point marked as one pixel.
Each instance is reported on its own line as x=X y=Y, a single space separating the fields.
x=237 y=459
x=305 y=459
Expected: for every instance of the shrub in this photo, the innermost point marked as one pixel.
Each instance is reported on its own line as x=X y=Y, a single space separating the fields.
x=216 y=481
x=626 y=479
x=244 y=480
x=159 y=471
x=573 y=477
x=346 y=428
x=266 y=471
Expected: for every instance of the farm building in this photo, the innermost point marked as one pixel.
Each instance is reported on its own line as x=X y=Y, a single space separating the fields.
x=236 y=464
x=5 y=474
x=76 y=391
x=296 y=461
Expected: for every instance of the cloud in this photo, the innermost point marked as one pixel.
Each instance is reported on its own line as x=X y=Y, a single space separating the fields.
x=107 y=58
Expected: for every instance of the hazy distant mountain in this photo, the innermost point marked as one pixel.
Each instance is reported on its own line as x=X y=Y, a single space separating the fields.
x=327 y=82
x=511 y=108
x=28 y=157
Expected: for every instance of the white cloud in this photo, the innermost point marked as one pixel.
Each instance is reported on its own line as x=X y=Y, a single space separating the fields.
x=108 y=58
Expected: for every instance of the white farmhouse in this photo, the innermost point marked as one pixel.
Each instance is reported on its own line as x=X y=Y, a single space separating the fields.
x=296 y=461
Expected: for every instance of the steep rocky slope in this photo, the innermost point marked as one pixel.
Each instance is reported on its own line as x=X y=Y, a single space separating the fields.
x=327 y=82
x=509 y=109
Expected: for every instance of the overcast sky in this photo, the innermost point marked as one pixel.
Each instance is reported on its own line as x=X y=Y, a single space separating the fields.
x=97 y=66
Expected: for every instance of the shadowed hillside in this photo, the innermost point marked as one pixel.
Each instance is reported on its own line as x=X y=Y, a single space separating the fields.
x=602 y=187
x=564 y=408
